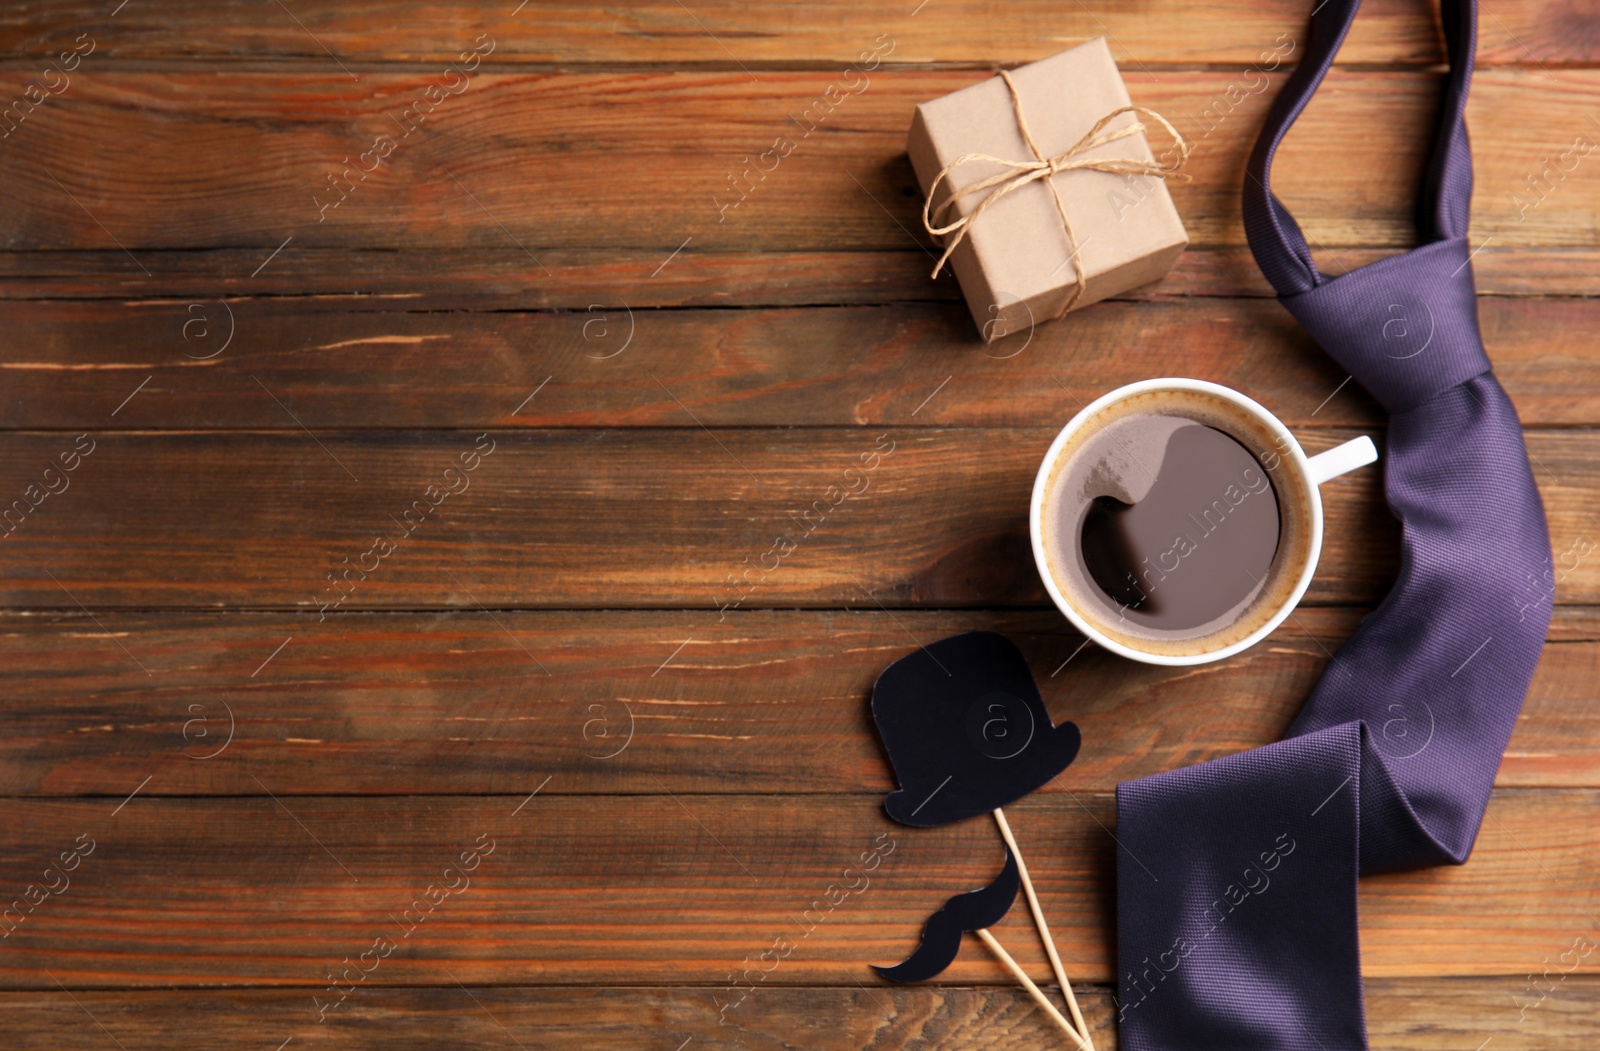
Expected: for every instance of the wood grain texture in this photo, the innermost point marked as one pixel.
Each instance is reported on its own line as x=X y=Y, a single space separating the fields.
x=686 y=518
x=726 y=33
x=673 y=888
x=517 y=161
x=542 y=661
x=640 y=702
x=611 y=279
x=371 y=365
x=1437 y=1014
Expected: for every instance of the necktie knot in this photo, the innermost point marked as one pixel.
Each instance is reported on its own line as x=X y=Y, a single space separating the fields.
x=1405 y=327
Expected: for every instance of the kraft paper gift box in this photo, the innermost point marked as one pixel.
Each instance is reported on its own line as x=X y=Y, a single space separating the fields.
x=1017 y=264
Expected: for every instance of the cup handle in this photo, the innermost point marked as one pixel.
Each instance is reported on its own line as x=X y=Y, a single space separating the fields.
x=1341 y=459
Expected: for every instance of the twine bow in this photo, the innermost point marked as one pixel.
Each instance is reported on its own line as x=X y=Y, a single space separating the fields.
x=1022 y=173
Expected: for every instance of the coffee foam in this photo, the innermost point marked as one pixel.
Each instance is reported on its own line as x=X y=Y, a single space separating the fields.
x=1069 y=478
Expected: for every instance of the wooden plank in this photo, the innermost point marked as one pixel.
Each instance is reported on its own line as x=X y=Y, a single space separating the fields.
x=637 y=702
x=647 y=160
x=679 y=888
x=360 y=367
x=677 y=518
x=683 y=518
x=1426 y=1014
x=726 y=33
x=498 y=279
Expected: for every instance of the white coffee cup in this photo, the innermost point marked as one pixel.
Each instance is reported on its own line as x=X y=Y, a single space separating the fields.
x=1295 y=475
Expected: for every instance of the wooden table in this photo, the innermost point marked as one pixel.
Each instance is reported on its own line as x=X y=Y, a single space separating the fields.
x=428 y=464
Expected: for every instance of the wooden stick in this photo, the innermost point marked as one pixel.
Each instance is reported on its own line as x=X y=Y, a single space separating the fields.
x=1020 y=975
x=1043 y=927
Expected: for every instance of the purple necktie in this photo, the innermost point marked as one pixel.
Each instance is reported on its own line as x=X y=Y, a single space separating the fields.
x=1236 y=878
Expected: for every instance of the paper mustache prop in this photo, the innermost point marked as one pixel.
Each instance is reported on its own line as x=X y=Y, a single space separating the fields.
x=975 y=911
x=967 y=732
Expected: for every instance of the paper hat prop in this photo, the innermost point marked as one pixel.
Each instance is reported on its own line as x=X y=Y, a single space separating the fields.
x=966 y=730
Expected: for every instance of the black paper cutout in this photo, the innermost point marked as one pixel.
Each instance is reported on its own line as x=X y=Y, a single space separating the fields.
x=966 y=730
x=974 y=910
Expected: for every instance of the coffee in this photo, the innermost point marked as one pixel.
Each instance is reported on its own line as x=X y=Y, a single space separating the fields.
x=1162 y=526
